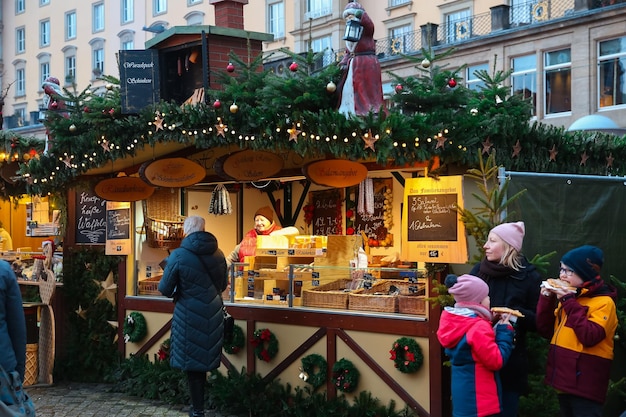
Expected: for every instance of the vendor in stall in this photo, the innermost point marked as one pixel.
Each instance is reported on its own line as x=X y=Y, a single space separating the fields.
x=263 y=225
x=6 y=241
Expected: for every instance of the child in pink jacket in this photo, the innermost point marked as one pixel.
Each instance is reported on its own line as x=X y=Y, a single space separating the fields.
x=476 y=349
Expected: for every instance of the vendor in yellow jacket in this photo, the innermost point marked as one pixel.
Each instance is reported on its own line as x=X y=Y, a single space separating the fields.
x=580 y=322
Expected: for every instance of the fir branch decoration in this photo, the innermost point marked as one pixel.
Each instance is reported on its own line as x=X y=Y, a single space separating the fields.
x=314 y=368
x=345 y=375
x=135 y=327
x=237 y=343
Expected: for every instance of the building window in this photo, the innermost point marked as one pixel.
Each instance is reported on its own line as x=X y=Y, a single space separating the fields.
x=558 y=79
x=70 y=69
x=394 y=3
x=318 y=8
x=524 y=78
x=323 y=45
x=44 y=71
x=612 y=72
x=70 y=25
x=276 y=19
x=159 y=7
x=401 y=39
x=128 y=11
x=44 y=2
x=98 y=17
x=193 y=2
x=20 y=82
x=44 y=33
x=521 y=12
x=20 y=40
x=127 y=40
x=458 y=25
x=97 y=61
x=473 y=82
x=195 y=18
x=20 y=6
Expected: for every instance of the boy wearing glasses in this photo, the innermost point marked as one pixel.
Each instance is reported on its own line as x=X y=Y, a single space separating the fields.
x=580 y=324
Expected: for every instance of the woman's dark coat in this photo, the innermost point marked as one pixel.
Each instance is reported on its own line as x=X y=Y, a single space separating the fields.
x=196 y=276
x=518 y=290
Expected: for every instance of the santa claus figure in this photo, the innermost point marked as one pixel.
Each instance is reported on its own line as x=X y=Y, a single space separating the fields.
x=360 y=88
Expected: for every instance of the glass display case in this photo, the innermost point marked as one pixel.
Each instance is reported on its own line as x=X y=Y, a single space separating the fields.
x=399 y=290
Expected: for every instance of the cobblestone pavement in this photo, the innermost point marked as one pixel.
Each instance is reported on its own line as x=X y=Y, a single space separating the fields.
x=87 y=400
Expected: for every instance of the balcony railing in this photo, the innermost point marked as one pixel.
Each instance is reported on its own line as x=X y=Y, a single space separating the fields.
x=521 y=13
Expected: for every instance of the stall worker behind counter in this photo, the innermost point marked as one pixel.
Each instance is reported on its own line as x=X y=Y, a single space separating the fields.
x=264 y=225
x=6 y=241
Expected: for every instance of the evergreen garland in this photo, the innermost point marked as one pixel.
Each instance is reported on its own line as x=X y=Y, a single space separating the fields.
x=429 y=118
x=314 y=367
x=345 y=375
x=135 y=327
x=406 y=355
x=265 y=344
x=237 y=343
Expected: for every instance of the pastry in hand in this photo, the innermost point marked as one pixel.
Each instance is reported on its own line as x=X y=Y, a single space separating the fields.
x=507 y=310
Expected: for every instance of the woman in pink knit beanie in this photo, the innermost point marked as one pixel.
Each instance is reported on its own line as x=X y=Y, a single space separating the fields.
x=515 y=283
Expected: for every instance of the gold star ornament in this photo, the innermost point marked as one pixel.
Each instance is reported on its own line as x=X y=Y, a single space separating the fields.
x=487 y=145
x=109 y=289
x=369 y=140
x=516 y=149
x=158 y=122
x=81 y=313
x=293 y=133
x=583 y=158
x=553 y=153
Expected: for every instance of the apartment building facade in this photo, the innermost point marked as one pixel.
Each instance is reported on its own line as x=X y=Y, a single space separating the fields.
x=568 y=56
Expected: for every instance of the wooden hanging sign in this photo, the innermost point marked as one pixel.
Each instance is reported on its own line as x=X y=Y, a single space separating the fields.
x=336 y=173
x=251 y=165
x=123 y=189
x=172 y=172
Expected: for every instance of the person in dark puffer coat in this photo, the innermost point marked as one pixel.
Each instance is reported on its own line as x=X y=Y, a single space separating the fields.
x=195 y=277
x=515 y=283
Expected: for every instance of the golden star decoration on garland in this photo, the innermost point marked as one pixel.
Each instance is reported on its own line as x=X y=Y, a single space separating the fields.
x=109 y=289
x=369 y=140
x=516 y=150
x=81 y=313
x=553 y=153
x=105 y=146
x=487 y=145
x=293 y=133
x=583 y=158
x=220 y=127
x=158 y=122
x=68 y=161
x=441 y=141
x=609 y=160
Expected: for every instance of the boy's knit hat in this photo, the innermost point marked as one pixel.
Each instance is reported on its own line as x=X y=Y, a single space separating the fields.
x=511 y=233
x=585 y=260
x=467 y=288
x=266 y=212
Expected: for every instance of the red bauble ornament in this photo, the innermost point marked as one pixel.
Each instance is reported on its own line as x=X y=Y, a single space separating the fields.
x=86 y=109
x=399 y=88
x=293 y=67
x=230 y=67
x=217 y=104
x=54 y=105
x=451 y=83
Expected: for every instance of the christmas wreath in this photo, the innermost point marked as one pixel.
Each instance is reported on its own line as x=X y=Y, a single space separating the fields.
x=135 y=328
x=314 y=370
x=265 y=344
x=407 y=355
x=164 y=350
x=237 y=341
x=345 y=375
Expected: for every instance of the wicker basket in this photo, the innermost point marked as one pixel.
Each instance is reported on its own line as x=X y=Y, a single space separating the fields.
x=149 y=286
x=32 y=364
x=331 y=295
x=162 y=221
x=377 y=298
x=412 y=304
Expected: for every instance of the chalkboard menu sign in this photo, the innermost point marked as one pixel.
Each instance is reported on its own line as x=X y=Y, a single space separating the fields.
x=91 y=218
x=432 y=217
x=139 y=79
x=372 y=225
x=327 y=218
x=118 y=224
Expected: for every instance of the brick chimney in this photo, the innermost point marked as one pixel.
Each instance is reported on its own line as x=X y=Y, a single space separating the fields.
x=229 y=13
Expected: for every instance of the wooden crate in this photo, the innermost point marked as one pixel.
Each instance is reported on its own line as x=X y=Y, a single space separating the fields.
x=330 y=295
x=377 y=298
x=149 y=286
